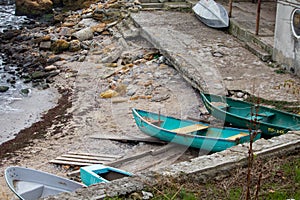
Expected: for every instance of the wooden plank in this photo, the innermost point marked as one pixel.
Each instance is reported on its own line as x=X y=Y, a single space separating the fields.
x=130 y=139
x=192 y=128
x=80 y=160
x=96 y=155
x=134 y=157
x=85 y=160
x=87 y=157
x=234 y=137
x=61 y=162
x=74 y=173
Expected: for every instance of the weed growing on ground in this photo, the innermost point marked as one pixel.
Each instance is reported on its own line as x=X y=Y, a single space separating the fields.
x=280 y=180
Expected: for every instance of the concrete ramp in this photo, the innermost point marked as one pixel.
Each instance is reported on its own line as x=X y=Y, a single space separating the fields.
x=212 y=60
x=185 y=45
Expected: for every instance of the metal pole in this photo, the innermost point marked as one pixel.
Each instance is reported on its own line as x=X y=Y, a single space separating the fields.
x=257 y=17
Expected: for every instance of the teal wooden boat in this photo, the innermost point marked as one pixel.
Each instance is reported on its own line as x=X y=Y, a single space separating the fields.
x=100 y=174
x=242 y=114
x=190 y=133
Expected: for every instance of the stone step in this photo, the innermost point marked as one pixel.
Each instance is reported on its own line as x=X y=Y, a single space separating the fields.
x=179 y=6
x=149 y=1
x=258 y=51
x=160 y=1
x=254 y=44
x=155 y=6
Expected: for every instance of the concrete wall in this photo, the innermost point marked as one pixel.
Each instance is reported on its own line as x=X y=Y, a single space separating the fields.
x=286 y=45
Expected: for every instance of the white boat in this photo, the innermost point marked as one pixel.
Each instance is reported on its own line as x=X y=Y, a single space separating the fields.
x=211 y=13
x=30 y=184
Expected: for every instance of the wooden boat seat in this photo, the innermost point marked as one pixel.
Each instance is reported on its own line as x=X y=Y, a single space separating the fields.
x=34 y=192
x=154 y=122
x=266 y=114
x=191 y=128
x=221 y=105
x=261 y=116
x=234 y=137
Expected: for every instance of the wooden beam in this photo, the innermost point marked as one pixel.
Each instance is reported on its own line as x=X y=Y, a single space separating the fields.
x=230 y=8
x=96 y=155
x=257 y=17
x=130 y=139
x=61 y=162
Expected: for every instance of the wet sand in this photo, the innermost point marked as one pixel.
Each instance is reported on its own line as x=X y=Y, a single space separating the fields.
x=22 y=112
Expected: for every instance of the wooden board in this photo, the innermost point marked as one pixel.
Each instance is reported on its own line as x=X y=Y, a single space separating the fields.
x=96 y=155
x=189 y=129
x=83 y=159
x=234 y=137
x=130 y=139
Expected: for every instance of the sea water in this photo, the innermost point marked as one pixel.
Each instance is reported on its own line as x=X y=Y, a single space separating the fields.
x=17 y=110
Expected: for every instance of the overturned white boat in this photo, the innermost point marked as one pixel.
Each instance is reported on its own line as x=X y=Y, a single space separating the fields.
x=211 y=13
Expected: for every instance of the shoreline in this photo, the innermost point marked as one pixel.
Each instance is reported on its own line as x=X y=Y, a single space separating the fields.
x=26 y=111
x=36 y=127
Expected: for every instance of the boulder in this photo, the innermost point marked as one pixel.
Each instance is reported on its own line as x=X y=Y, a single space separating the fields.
x=77 y=4
x=3 y=88
x=84 y=34
x=59 y=46
x=33 y=8
x=74 y=45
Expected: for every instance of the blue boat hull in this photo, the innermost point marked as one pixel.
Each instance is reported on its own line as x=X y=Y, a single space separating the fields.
x=211 y=139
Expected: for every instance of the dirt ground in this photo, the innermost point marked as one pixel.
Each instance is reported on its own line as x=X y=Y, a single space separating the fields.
x=82 y=113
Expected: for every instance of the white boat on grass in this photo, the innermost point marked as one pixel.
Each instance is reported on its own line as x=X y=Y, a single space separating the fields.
x=211 y=13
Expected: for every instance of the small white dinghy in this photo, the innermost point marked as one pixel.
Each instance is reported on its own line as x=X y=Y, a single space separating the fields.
x=30 y=184
x=211 y=13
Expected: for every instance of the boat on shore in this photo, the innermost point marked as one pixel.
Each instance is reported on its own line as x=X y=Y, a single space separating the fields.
x=243 y=114
x=211 y=13
x=190 y=133
x=101 y=174
x=30 y=184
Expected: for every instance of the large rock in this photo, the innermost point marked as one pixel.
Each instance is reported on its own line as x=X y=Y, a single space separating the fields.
x=33 y=7
x=77 y=4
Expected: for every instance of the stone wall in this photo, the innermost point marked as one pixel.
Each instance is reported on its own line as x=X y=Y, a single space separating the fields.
x=286 y=45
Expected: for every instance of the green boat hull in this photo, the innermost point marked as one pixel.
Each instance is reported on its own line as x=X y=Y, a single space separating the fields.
x=210 y=139
x=242 y=114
